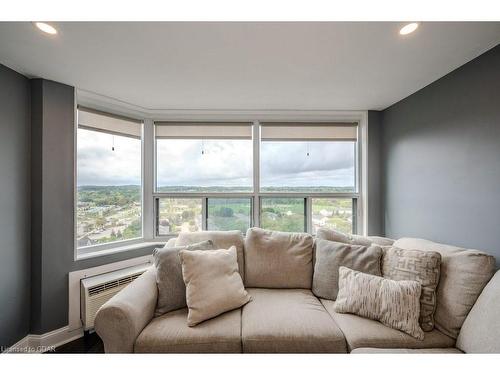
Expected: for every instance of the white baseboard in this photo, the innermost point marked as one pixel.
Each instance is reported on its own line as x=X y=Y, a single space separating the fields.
x=45 y=342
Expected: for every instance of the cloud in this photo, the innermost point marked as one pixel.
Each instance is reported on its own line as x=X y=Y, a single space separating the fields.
x=223 y=162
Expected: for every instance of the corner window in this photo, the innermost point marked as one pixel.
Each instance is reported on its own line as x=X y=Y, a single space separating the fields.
x=109 y=179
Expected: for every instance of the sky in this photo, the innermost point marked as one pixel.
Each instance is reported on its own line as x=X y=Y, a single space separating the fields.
x=214 y=162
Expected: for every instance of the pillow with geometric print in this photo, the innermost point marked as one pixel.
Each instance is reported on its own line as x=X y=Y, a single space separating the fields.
x=421 y=266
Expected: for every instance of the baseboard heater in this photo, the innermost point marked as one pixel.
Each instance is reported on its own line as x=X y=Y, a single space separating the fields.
x=97 y=290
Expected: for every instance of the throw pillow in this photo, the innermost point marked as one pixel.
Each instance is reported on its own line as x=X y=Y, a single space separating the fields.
x=171 y=288
x=464 y=274
x=421 y=266
x=395 y=304
x=332 y=255
x=213 y=283
x=278 y=259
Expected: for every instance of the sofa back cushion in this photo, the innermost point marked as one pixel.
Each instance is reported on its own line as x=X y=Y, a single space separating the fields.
x=278 y=259
x=330 y=256
x=464 y=274
x=220 y=239
x=352 y=239
x=480 y=331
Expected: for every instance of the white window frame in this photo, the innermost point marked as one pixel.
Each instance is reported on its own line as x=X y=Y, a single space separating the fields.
x=149 y=195
x=256 y=195
x=110 y=247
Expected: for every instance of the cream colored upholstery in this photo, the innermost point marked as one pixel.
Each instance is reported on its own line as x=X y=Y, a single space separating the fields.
x=120 y=320
x=464 y=274
x=221 y=240
x=481 y=330
x=169 y=333
x=406 y=351
x=362 y=332
x=288 y=321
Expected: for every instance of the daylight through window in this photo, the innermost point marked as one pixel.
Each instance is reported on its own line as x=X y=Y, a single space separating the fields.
x=109 y=186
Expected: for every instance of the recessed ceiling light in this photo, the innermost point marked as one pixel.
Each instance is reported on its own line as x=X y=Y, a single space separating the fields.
x=46 y=28
x=408 y=29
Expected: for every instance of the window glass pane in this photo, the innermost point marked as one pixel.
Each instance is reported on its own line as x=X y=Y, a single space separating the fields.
x=316 y=166
x=283 y=214
x=229 y=214
x=195 y=165
x=179 y=215
x=332 y=213
x=108 y=187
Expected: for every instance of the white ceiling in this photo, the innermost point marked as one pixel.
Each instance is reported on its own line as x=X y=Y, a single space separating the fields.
x=254 y=66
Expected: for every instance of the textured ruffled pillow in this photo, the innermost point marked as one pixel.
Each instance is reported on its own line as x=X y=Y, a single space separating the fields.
x=213 y=283
x=395 y=304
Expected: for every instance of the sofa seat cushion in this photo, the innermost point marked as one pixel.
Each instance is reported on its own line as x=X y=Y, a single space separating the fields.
x=406 y=351
x=170 y=333
x=362 y=332
x=288 y=321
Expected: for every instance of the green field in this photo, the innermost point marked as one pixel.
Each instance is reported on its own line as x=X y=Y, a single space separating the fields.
x=111 y=213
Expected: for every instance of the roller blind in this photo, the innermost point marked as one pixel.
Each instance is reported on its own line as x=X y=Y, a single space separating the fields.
x=99 y=121
x=203 y=130
x=280 y=131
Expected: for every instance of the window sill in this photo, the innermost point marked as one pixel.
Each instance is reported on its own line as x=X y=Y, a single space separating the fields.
x=118 y=249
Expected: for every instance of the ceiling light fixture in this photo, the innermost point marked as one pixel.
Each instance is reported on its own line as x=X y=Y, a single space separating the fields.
x=408 y=29
x=46 y=28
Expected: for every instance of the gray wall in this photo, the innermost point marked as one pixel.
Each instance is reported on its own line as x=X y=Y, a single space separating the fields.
x=53 y=211
x=14 y=206
x=442 y=159
x=375 y=208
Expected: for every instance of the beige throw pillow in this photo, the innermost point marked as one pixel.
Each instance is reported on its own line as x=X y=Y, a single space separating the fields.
x=330 y=256
x=213 y=284
x=278 y=259
x=421 y=266
x=395 y=304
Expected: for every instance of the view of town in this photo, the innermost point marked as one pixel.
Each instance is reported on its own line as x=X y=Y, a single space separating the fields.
x=112 y=213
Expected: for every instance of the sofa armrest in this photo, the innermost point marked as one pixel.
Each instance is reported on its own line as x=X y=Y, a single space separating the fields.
x=120 y=320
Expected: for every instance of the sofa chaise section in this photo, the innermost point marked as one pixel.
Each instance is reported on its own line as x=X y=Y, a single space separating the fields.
x=361 y=333
x=288 y=321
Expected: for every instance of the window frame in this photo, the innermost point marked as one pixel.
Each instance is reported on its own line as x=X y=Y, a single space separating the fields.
x=256 y=195
x=149 y=117
x=85 y=252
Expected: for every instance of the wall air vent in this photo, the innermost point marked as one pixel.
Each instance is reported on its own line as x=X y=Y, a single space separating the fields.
x=97 y=290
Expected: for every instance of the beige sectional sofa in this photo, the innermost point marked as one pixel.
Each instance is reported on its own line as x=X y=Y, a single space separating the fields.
x=285 y=318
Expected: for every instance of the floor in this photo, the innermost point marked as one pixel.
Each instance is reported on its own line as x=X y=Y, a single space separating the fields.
x=90 y=343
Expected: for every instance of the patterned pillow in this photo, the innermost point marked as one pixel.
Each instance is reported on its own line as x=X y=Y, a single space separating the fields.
x=393 y=303
x=421 y=266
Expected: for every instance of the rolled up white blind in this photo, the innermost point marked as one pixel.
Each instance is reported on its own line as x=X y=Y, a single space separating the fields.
x=203 y=130
x=280 y=131
x=98 y=121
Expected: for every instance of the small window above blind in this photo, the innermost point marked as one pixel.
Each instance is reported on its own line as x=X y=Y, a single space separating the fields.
x=294 y=131
x=203 y=130
x=107 y=123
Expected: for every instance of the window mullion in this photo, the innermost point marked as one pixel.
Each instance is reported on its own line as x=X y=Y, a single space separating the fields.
x=204 y=213
x=256 y=173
